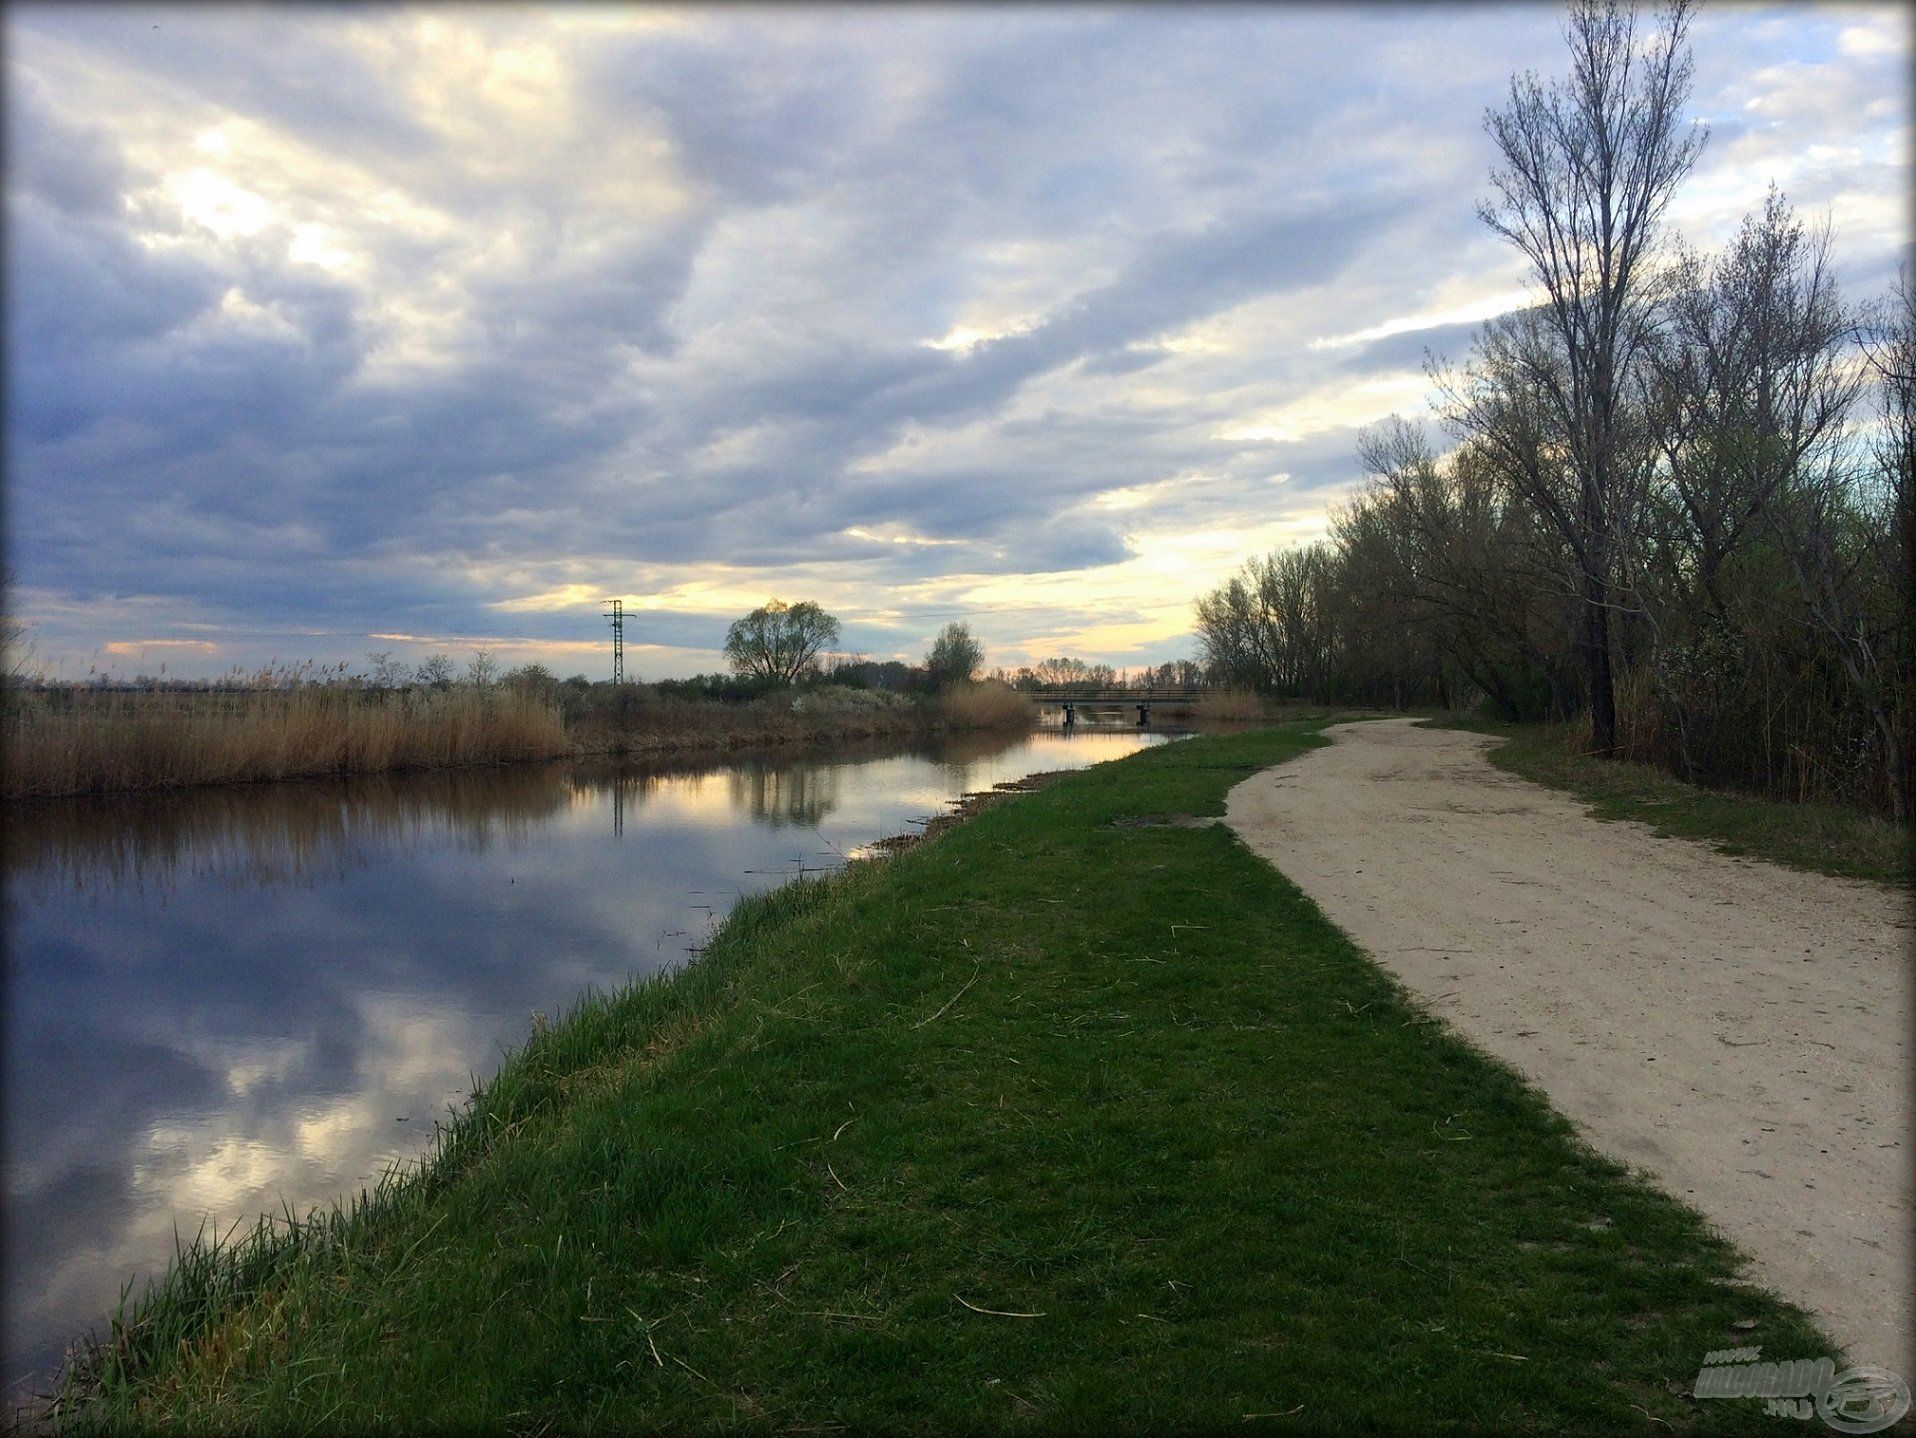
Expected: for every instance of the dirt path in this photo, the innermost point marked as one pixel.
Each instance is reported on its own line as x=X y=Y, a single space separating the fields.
x=1739 y=1030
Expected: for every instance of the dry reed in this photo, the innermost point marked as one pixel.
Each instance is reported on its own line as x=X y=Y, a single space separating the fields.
x=115 y=743
x=989 y=705
x=1221 y=705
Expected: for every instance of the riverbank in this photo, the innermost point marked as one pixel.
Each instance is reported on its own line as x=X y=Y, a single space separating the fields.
x=1077 y=1117
x=86 y=743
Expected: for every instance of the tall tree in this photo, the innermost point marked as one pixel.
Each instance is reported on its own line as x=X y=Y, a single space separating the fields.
x=954 y=657
x=1588 y=167
x=778 y=640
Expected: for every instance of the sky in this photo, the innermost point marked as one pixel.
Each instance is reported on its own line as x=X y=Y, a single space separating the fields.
x=341 y=330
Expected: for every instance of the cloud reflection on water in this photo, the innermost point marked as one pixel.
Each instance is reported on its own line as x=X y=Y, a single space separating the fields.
x=226 y=1001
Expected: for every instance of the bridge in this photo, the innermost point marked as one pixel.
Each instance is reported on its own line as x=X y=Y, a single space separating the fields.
x=1143 y=700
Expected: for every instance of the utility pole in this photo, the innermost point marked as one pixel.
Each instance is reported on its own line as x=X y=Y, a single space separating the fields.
x=617 y=615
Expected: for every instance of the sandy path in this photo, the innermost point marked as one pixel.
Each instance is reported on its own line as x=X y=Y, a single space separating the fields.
x=1739 y=1030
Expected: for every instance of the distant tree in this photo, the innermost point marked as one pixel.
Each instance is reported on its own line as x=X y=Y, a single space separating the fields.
x=385 y=671
x=436 y=672
x=532 y=679
x=1053 y=672
x=779 y=641
x=954 y=657
x=890 y=674
x=483 y=671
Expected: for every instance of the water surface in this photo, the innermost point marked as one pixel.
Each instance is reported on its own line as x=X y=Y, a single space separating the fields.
x=230 y=1000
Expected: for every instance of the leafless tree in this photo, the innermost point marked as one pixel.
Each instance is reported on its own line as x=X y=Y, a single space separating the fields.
x=1751 y=384
x=1845 y=528
x=482 y=672
x=1751 y=381
x=1587 y=168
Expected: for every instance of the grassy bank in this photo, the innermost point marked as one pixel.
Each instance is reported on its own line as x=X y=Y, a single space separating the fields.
x=1823 y=838
x=1076 y=1118
x=87 y=742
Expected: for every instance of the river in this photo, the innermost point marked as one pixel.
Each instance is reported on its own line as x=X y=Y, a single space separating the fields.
x=229 y=1001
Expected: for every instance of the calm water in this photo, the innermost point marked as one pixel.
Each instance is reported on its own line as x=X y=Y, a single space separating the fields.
x=222 y=1002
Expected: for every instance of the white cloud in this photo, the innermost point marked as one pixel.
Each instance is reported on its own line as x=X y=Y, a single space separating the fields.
x=448 y=322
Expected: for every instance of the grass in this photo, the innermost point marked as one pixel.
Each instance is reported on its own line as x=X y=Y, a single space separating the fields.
x=1822 y=838
x=1074 y=1119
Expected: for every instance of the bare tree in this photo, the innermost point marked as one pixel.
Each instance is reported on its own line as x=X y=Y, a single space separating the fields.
x=483 y=670
x=1750 y=385
x=436 y=672
x=386 y=671
x=1588 y=167
x=1846 y=531
x=1450 y=569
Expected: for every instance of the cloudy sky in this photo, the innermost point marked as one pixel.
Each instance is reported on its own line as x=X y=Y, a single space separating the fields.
x=332 y=330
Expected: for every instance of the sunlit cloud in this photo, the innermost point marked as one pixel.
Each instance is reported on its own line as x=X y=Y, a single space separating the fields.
x=138 y=648
x=425 y=329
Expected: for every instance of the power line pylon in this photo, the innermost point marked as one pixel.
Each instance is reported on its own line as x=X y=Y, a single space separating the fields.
x=617 y=615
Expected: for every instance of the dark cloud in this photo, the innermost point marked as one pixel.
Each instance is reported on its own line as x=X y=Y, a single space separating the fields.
x=378 y=320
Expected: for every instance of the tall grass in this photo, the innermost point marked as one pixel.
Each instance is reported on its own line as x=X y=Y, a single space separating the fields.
x=80 y=741
x=1219 y=705
x=94 y=743
x=989 y=705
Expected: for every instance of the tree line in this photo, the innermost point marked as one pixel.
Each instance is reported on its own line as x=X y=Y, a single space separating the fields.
x=1677 y=503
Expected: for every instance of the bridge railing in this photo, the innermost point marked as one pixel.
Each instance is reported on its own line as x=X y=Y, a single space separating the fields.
x=1111 y=696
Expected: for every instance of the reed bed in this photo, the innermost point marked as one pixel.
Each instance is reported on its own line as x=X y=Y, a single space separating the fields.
x=987 y=705
x=120 y=743
x=1224 y=705
x=645 y=723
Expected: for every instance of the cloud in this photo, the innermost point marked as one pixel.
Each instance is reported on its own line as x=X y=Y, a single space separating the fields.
x=328 y=325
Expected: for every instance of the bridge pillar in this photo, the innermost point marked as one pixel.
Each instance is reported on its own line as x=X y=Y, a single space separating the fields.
x=1070 y=714
x=1144 y=714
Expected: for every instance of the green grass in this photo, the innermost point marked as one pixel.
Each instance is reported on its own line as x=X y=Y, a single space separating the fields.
x=1118 y=1076
x=1823 y=838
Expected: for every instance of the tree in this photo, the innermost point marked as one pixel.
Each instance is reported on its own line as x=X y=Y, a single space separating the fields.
x=1751 y=383
x=954 y=657
x=1846 y=527
x=1588 y=168
x=387 y=672
x=483 y=671
x=532 y=679
x=779 y=641
x=436 y=672
x=1058 y=672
